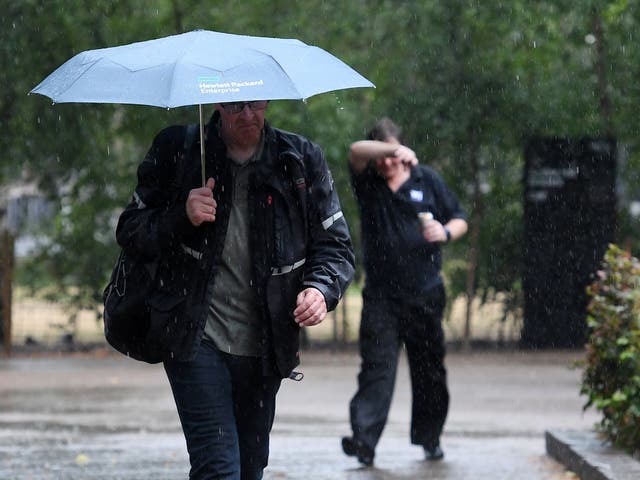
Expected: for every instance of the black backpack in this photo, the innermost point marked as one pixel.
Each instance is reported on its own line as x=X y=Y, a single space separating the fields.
x=126 y=312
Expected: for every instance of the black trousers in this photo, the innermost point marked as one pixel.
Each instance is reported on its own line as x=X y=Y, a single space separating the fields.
x=386 y=325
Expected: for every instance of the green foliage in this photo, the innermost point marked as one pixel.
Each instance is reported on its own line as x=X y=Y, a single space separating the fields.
x=469 y=81
x=611 y=379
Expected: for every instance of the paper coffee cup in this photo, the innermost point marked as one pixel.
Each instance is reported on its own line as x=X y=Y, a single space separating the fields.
x=425 y=218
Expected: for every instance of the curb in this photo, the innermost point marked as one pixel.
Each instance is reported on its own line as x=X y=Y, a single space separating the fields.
x=591 y=458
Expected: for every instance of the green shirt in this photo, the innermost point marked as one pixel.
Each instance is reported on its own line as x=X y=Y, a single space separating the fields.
x=234 y=321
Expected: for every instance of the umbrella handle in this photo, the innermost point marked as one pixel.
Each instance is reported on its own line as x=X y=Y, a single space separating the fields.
x=204 y=181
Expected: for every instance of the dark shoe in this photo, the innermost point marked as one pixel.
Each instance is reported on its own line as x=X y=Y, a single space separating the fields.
x=355 y=448
x=433 y=454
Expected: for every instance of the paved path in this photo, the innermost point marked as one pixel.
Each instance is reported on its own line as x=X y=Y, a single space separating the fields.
x=113 y=418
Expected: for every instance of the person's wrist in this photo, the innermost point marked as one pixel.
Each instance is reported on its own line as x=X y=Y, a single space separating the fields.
x=447 y=234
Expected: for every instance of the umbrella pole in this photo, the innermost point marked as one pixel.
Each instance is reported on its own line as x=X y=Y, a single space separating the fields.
x=204 y=182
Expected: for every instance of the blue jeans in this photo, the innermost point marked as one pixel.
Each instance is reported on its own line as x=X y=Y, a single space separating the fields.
x=226 y=407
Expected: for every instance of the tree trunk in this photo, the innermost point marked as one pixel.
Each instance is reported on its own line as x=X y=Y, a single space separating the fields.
x=6 y=280
x=345 y=321
x=474 y=239
x=604 y=101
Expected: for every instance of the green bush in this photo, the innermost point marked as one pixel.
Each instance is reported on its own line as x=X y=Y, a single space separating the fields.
x=611 y=378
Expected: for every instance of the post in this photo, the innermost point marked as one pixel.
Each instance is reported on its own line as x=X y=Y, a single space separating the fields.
x=345 y=322
x=6 y=279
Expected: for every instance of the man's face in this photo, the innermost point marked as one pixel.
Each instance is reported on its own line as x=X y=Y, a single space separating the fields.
x=243 y=128
x=388 y=167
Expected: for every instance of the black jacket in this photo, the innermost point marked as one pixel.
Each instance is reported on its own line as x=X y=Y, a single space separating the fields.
x=299 y=237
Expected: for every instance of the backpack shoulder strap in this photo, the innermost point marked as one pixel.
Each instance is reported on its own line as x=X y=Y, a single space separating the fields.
x=295 y=169
x=190 y=135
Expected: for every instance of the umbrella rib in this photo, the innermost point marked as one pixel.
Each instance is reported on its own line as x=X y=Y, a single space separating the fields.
x=284 y=72
x=68 y=87
x=174 y=68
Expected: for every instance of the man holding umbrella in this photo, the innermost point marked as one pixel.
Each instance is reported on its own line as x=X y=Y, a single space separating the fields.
x=245 y=246
x=258 y=252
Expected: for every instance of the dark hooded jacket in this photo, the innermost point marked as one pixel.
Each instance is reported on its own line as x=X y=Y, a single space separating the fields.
x=299 y=238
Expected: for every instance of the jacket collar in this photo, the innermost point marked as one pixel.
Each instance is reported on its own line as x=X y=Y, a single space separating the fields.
x=269 y=162
x=213 y=137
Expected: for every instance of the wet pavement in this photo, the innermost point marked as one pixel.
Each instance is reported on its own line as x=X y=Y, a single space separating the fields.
x=591 y=456
x=82 y=417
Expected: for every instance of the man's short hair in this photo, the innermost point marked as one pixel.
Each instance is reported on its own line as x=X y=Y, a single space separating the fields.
x=385 y=128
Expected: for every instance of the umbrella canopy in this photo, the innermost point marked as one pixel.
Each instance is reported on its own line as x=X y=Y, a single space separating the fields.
x=199 y=67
